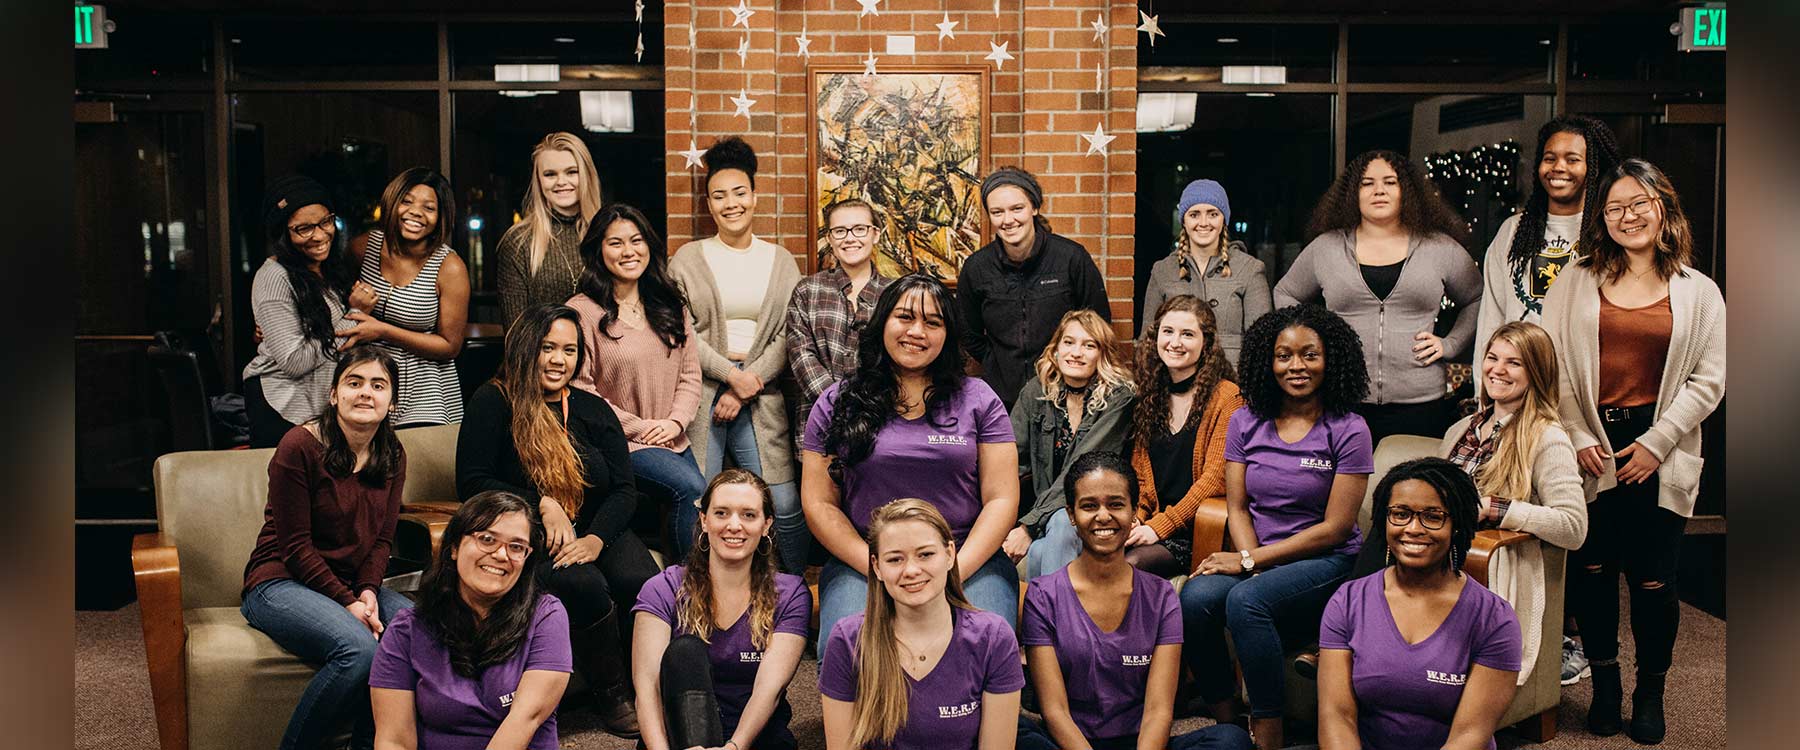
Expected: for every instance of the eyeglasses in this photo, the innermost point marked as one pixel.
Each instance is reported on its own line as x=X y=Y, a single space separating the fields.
x=1638 y=207
x=859 y=231
x=1432 y=518
x=487 y=542
x=305 y=231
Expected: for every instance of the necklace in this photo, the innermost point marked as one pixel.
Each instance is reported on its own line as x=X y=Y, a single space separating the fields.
x=909 y=649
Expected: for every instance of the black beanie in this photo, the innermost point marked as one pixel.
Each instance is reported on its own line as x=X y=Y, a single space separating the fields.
x=289 y=194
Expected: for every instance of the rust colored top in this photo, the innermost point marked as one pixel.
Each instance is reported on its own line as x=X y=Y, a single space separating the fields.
x=1634 y=345
x=1209 y=464
x=332 y=534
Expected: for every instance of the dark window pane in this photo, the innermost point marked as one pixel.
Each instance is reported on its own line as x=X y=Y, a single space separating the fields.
x=1272 y=154
x=148 y=46
x=1639 y=50
x=1304 y=52
x=575 y=47
x=491 y=158
x=1468 y=53
x=330 y=49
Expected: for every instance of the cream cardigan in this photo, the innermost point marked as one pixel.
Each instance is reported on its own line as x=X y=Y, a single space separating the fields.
x=1555 y=513
x=1693 y=379
x=767 y=356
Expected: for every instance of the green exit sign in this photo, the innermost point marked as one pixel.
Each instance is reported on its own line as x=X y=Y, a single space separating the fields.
x=90 y=27
x=1702 y=29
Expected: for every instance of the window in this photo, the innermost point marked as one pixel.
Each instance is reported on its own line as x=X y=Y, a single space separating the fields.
x=581 y=51
x=330 y=49
x=1305 y=53
x=1465 y=53
x=1639 y=50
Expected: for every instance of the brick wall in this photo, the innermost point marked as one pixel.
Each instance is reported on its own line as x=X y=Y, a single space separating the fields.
x=1042 y=101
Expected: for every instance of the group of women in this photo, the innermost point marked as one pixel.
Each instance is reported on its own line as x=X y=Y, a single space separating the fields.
x=925 y=493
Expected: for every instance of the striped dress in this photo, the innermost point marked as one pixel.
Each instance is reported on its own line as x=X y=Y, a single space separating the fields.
x=429 y=390
x=295 y=370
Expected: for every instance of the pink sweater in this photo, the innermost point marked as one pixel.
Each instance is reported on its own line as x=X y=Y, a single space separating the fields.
x=641 y=379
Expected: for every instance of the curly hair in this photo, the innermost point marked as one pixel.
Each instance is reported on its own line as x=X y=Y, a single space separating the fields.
x=1453 y=486
x=694 y=601
x=1422 y=210
x=866 y=400
x=1346 y=376
x=1152 y=412
x=730 y=153
x=1602 y=157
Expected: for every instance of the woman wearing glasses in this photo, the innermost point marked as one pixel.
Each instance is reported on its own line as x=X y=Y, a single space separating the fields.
x=298 y=299
x=830 y=308
x=1641 y=337
x=1210 y=265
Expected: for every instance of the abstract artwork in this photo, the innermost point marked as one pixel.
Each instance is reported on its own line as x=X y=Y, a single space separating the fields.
x=913 y=142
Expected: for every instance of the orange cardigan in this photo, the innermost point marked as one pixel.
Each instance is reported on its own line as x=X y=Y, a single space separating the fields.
x=1209 y=464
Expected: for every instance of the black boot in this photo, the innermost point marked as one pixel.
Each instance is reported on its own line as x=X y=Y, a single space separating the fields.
x=598 y=656
x=1647 y=709
x=1603 y=718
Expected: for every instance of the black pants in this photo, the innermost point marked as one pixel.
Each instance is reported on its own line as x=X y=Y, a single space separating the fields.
x=1429 y=418
x=591 y=591
x=1628 y=532
x=691 y=711
x=267 y=426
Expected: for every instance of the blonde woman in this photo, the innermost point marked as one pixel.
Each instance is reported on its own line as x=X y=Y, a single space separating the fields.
x=1524 y=466
x=921 y=667
x=702 y=683
x=1208 y=264
x=540 y=257
x=1079 y=402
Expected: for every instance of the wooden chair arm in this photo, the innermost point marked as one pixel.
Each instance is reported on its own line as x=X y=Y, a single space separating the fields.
x=156 y=567
x=430 y=523
x=446 y=507
x=1209 y=528
x=1481 y=553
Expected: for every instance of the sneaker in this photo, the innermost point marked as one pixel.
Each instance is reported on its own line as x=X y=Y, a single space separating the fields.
x=1574 y=662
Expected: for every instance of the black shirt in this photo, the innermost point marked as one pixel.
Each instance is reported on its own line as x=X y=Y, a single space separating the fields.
x=486 y=458
x=1172 y=460
x=1010 y=310
x=1381 y=279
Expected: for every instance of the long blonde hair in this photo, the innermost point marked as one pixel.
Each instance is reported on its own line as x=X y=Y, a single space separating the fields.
x=881 y=689
x=694 y=602
x=1110 y=371
x=1508 y=474
x=537 y=208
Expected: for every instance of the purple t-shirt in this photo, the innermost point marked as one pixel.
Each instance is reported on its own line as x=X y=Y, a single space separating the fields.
x=1289 y=484
x=934 y=458
x=459 y=713
x=1406 y=694
x=735 y=658
x=1104 y=674
x=943 y=711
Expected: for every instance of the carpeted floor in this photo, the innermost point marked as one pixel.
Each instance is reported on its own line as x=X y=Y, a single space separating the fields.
x=113 y=709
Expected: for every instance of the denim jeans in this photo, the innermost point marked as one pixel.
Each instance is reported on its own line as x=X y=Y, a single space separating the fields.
x=1057 y=548
x=738 y=437
x=1034 y=735
x=1257 y=609
x=844 y=592
x=317 y=629
x=680 y=478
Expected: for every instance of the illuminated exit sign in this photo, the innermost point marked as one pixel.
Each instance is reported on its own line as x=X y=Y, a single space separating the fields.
x=90 y=27
x=1702 y=29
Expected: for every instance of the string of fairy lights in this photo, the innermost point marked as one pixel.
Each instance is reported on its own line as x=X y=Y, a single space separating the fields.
x=1470 y=180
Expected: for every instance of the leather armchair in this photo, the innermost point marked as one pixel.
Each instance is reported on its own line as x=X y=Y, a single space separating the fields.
x=217 y=682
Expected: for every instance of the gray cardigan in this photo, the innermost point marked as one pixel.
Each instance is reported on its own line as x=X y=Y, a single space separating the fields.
x=1034 y=423
x=1435 y=267
x=767 y=356
x=1237 y=300
x=1693 y=377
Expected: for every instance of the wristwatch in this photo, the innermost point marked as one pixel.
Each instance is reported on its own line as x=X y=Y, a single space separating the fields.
x=1248 y=563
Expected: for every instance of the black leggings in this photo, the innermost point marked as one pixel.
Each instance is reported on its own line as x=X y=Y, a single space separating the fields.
x=1628 y=532
x=267 y=426
x=690 y=709
x=1428 y=418
x=591 y=591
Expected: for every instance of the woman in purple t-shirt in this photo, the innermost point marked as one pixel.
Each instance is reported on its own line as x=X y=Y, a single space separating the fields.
x=1418 y=655
x=909 y=423
x=1296 y=464
x=700 y=683
x=1103 y=637
x=482 y=662
x=922 y=667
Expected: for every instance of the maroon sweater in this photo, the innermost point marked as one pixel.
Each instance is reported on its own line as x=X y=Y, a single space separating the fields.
x=332 y=534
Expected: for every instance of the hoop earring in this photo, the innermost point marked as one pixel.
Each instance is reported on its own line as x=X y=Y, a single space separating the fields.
x=766 y=547
x=705 y=544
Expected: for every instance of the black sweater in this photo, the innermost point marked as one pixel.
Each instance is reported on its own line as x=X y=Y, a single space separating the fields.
x=1010 y=311
x=486 y=459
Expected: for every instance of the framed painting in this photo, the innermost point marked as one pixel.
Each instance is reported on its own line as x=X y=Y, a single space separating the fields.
x=913 y=142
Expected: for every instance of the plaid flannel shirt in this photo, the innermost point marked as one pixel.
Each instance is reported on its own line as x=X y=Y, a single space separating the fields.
x=822 y=333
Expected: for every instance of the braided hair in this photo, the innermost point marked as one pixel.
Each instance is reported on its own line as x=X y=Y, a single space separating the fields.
x=1602 y=157
x=1452 y=485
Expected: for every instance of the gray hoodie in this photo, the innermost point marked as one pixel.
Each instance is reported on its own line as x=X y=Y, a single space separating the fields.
x=1435 y=267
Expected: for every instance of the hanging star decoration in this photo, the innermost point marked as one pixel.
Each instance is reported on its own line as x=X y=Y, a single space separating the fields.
x=637 y=7
x=869 y=64
x=1099 y=27
x=1097 y=141
x=996 y=8
x=805 y=43
x=743 y=103
x=946 y=28
x=868 y=6
x=1149 y=27
x=640 y=47
x=740 y=16
x=1099 y=79
x=743 y=50
x=999 y=54
x=692 y=155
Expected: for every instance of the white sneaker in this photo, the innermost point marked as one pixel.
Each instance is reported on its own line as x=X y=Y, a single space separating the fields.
x=1574 y=662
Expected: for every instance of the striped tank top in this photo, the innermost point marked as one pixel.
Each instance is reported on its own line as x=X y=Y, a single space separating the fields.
x=429 y=390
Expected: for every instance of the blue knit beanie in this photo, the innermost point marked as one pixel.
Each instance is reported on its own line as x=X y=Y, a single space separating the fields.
x=1208 y=192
